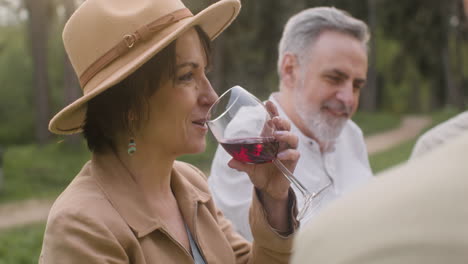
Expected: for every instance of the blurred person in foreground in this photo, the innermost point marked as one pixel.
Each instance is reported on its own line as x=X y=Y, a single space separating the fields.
x=412 y=214
x=322 y=67
x=142 y=68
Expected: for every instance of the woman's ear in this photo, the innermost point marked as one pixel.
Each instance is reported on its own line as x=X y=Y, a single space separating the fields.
x=289 y=71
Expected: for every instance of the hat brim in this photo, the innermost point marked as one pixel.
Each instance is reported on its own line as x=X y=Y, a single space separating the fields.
x=213 y=20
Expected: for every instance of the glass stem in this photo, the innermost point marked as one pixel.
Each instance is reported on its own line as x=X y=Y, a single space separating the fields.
x=308 y=197
x=292 y=178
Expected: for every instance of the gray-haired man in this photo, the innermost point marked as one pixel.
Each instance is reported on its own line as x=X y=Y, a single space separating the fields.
x=322 y=67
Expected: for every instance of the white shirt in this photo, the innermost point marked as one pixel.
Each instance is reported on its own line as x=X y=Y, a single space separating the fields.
x=347 y=165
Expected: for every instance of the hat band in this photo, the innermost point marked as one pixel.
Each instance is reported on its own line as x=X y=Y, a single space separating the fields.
x=130 y=40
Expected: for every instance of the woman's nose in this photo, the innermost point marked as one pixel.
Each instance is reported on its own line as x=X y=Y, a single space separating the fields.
x=209 y=95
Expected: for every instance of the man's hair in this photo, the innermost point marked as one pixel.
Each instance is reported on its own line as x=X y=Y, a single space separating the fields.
x=303 y=29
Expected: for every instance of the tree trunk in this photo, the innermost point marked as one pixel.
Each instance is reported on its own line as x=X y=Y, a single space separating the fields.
x=217 y=76
x=448 y=76
x=453 y=94
x=2 y=186
x=460 y=100
x=71 y=87
x=38 y=34
x=369 y=94
x=71 y=84
x=459 y=42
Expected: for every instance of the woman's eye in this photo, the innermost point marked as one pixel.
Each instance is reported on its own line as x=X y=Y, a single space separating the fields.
x=186 y=77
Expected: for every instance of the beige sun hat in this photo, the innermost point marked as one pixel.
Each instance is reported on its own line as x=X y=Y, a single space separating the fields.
x=107 y=40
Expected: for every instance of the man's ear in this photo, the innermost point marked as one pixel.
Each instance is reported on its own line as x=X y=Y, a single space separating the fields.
x=289 y=71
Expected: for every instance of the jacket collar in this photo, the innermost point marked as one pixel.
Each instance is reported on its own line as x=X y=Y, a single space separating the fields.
x=126 y=197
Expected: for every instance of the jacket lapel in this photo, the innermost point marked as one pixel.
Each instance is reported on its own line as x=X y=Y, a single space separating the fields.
x=127 y=198
x=124 y=194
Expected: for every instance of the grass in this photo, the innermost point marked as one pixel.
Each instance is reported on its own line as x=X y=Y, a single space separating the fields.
x=21 y=245
x=40 y=172
x=372 y=123
x=396 y=155
x=401 y=153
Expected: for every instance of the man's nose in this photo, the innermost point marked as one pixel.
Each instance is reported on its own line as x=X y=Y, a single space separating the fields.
x=346 y=95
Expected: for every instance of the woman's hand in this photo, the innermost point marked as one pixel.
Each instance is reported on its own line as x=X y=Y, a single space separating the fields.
x=266 y=177
x=273 y=187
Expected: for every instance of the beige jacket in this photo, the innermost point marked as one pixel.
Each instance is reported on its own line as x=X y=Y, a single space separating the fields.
x=102 y=218
x=414 y=214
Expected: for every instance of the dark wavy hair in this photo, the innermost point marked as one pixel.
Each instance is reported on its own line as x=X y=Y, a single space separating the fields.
x=108 y=113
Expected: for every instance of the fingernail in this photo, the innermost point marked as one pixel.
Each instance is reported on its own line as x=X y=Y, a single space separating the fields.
x=281 y=155
x=280 y=133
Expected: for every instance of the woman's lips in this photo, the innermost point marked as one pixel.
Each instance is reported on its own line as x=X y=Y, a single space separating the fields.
x=201 y=123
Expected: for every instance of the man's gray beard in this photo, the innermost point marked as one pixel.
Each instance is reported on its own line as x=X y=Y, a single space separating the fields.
x=324 y=127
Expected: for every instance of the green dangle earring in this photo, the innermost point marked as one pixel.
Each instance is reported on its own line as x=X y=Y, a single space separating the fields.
x=131 y=147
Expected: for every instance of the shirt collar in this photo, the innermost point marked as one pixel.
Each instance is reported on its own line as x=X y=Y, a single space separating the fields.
x=126 y=197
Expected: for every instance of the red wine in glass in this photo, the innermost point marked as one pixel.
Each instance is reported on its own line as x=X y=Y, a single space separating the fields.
x=252 y=150
x=233 y=112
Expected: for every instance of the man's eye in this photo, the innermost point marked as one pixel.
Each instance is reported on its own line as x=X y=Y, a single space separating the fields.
x=334 y=78
x=358 y=87
x=186 y=77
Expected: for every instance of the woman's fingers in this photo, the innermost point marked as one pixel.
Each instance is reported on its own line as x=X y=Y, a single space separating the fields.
x=281 y=124
x=288 y=141
x=287 y=137
x=271 y=108
x=237 y=165
x=288 y=155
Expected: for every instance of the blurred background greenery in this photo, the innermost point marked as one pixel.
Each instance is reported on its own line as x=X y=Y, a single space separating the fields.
x=417 y=57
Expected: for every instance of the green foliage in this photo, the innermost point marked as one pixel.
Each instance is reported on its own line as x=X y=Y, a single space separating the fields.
x=15 y=93
x=403 y=88
x=21 y=245
x=250 y=45
x=33 y=171
x=17 y=104
x=55 y=61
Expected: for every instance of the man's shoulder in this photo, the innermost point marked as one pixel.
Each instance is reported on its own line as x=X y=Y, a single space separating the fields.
x=351 y=134
x=353 y=128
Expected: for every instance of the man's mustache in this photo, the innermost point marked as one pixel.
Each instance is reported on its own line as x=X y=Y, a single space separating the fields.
x=338 y=107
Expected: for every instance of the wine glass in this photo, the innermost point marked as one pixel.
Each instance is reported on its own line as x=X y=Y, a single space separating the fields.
x=242 y=126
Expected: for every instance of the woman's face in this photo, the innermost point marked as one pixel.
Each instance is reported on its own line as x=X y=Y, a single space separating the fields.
x=178 y=108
